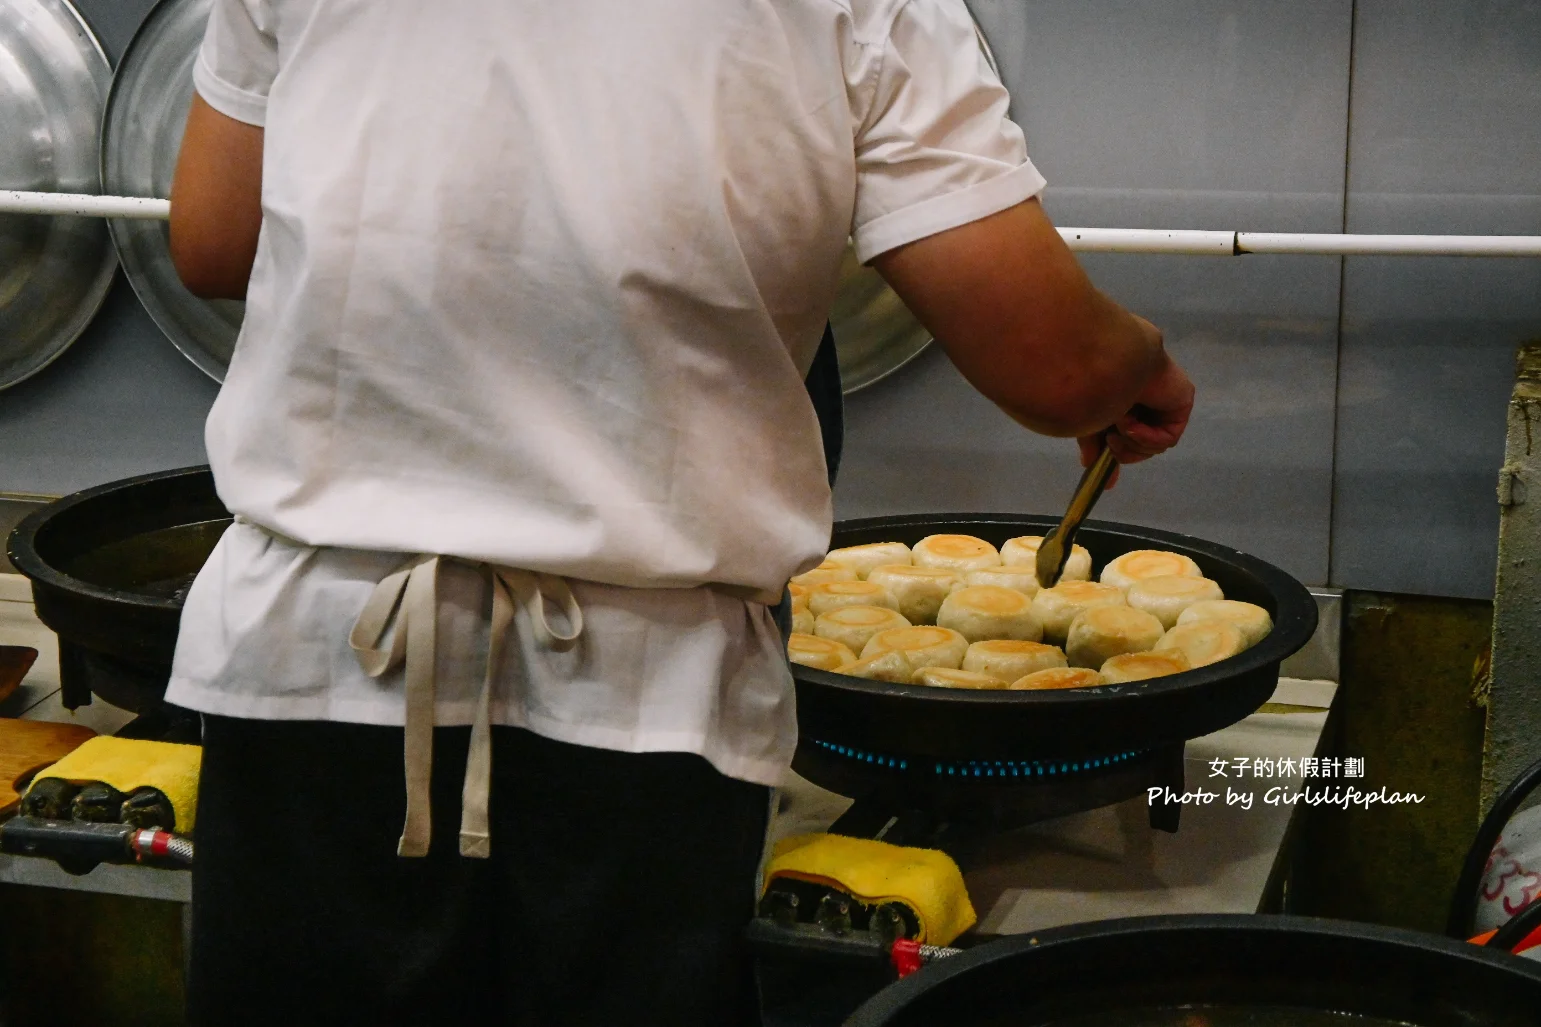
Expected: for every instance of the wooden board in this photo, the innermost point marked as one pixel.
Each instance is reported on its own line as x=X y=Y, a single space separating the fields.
x=30 y=745
x=15 y=661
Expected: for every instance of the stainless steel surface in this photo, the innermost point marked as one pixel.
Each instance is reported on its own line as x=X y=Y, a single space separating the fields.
x=1056 y=547
x=1321 y=658
x=54 y=271
x=141 y=135
x=875 y=333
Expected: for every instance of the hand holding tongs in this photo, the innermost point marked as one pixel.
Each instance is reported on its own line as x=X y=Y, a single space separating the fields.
x=1055 y=549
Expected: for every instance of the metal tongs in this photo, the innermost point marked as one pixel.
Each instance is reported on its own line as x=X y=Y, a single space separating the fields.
x=1055 y=550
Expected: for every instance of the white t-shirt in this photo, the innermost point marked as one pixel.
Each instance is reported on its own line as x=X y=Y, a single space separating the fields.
x=537 y=285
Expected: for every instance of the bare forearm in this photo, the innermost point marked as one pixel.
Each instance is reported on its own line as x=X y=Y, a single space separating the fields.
x=1072 y=375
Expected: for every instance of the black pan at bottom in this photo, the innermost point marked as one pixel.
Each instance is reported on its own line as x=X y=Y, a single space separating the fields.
x=1124 y=969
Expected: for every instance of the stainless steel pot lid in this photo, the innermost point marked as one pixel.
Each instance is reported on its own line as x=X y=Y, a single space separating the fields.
x=875 y=333
x=54 y=271
x=141 y=135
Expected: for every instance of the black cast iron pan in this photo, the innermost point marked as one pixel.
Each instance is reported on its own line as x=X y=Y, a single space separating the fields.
x=946 y=724
x=1117 y=971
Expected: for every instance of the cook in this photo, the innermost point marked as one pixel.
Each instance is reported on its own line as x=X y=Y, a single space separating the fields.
x=518 y=444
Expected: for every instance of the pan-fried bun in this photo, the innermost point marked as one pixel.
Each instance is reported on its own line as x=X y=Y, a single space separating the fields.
x=922 y=646
x=1023 y=552
x=819 y=653
x=1253 y=621
x=864 y=559
x=1139 y=564
x=917 y=591
x=944 y=677
x=834 y=594
x=1056 y=607
x=889 y=666
x=983 y=612
x=955 y=552
x=1018 y=579
x=1106 y=631
x=1010 y=659
x=852 y=626
x=1142 y=666
x=825 y=571
x=1204 y=641
x=1057 y=677
x=802 y=621
x=1168 y=595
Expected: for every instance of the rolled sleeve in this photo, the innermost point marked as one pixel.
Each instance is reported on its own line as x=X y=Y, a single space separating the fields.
x=238 y=60
x=936 y=149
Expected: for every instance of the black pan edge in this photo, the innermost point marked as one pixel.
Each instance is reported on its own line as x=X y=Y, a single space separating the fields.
x=1385 y=962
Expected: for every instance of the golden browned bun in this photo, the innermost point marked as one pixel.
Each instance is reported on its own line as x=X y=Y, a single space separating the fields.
x=1010 y=659
x=1139 y=564
x=1103 y=632
x=802 y=621
x=943 y=677
x=955 y=553
x=819 y=653
x=983 y=612
x=918 y=591
x=1057 y=677
x=798 y=592
x=1023 y=552
x=1203 y=641
x=825 y=571
x=890 y=666
x=852 y=626
x=1252 y=621
x=921 y=646
x=1168 y=595
x=832 y=595
x=1056 y=607
x=865 y=559
x=1141 y=666
x=1018 y=579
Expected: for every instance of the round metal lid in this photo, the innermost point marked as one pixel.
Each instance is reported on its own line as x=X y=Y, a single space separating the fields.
x=141 y=135
x=54 y=271
x=875 y=333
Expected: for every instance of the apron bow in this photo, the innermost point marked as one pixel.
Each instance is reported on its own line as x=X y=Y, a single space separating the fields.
x=407 y=599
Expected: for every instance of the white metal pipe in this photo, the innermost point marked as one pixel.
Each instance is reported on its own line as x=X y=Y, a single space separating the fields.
x=1150 y=240
x=83 y=205
x=1391 y=245
x=1085 y=240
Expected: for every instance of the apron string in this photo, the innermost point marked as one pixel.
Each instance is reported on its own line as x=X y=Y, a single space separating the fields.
x=408 y=598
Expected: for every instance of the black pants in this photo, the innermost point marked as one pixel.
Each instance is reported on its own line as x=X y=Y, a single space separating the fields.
x=617 y=892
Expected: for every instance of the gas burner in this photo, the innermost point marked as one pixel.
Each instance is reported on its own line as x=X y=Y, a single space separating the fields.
x=997 y=770
x=927 y=796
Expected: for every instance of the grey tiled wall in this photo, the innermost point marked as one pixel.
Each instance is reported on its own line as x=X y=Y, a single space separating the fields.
x=1180 y=113
x=1446 y=138
x=1364 y=457
x=1372 y=467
